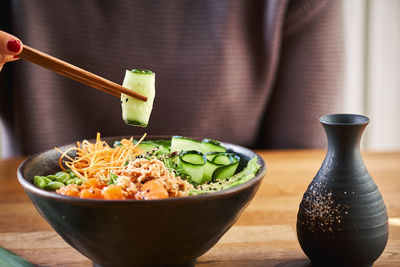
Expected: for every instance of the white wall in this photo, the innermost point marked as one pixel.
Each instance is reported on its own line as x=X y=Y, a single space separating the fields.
x=372 y=34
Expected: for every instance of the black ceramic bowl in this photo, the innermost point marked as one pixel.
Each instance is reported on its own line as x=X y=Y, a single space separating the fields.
x=172 y=231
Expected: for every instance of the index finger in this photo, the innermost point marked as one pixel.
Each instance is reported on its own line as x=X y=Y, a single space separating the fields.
x=9 y=44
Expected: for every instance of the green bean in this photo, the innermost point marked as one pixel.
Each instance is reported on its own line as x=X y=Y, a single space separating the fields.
x=46 y=179
x=63 y=178
x=52 y=177
x=72 y=174
x=59 y=173
x=39 y=181
x=75 y=180
x=78 y=181
x=53 y=186
x=70 y=181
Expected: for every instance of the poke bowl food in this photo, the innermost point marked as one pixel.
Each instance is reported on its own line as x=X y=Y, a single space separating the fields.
x=138 y=169
x=151 y=200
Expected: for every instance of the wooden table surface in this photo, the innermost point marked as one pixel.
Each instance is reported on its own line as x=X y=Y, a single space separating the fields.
x=265 y=234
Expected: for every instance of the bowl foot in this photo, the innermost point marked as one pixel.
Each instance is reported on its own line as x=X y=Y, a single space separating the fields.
x=187 y=264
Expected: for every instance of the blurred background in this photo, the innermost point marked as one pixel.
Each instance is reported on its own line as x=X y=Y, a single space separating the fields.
x=372 y=76
x=372 y=69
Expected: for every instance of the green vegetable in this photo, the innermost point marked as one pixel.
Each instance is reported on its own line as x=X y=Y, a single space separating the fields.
x=222 y=158
x=52 y=177
x=220 y=165
x=147 y=146
x=134 y=111
x=75 y=180
x=39 y=181
x=113 y=179
x=216 y=156
x=63 y=177
x=179 y=143
x=60 y=173
x=138 y=71
x=9 y=259
x=46 y=179
x=239 y=178
x=228 y=169
x=53 y=186
x=211 y=145
x=192 y=163
x=225 y=171
x=211 y=155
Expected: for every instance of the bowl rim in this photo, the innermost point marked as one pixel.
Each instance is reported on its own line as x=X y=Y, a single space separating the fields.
x=29 y=186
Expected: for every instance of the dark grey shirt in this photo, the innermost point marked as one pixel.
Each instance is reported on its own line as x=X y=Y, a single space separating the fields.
x=257 y=73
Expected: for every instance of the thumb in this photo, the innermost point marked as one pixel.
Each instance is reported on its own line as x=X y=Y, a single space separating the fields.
x=9 y=44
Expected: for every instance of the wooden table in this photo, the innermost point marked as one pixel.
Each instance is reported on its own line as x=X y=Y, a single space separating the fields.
x=265 y=234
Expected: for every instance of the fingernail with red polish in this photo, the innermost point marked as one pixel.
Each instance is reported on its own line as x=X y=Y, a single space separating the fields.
x=16 y=56
x=14 y=46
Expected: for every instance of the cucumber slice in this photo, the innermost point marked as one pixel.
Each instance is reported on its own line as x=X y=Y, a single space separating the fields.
x=225 y=163
x=147 y=146
x=137 y=112
x=211 y=145
x=246 y=174
x=235 y=157
x=225 y=171
x=193 y=158
x=228 y=164
x=211 y=155
x=209 y=169
x=223 y=159
x=192 y=163
x=179 y=143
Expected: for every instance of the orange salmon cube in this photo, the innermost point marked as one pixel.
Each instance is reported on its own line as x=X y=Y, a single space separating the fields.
x=91 y=193
x=113 y=192
x=152 y=190
x=93 y=183
x=70 y=190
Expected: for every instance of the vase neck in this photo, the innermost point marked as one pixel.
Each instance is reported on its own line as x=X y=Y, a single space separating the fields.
x=344 y=140
x=344 y=132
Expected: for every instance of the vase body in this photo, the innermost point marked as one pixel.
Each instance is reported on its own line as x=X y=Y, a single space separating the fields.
x=342 y=219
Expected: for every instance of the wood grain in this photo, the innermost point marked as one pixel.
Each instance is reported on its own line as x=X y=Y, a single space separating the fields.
x=265 y=234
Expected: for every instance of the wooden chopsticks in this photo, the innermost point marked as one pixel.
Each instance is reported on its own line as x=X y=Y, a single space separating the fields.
x=76 y=73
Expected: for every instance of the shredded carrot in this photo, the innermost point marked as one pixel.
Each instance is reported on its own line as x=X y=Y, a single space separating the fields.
x=99 y=160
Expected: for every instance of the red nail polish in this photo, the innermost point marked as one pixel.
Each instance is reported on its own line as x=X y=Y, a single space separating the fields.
x=16 y=56
x=14 y=46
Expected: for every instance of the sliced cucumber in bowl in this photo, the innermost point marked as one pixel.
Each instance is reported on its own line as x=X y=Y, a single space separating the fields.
x=206 y=160
x=179 y=143
x=192 y=163
x=227 y=170
x=211 y=145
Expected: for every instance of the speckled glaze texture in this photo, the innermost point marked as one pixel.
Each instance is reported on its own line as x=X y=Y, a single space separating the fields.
x=342 y=219
x=120 y=233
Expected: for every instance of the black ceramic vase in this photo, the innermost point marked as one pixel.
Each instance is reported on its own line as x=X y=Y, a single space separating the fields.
x=342 y=219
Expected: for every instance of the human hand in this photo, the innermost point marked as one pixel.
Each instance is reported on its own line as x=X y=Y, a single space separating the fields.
x=10 y=46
